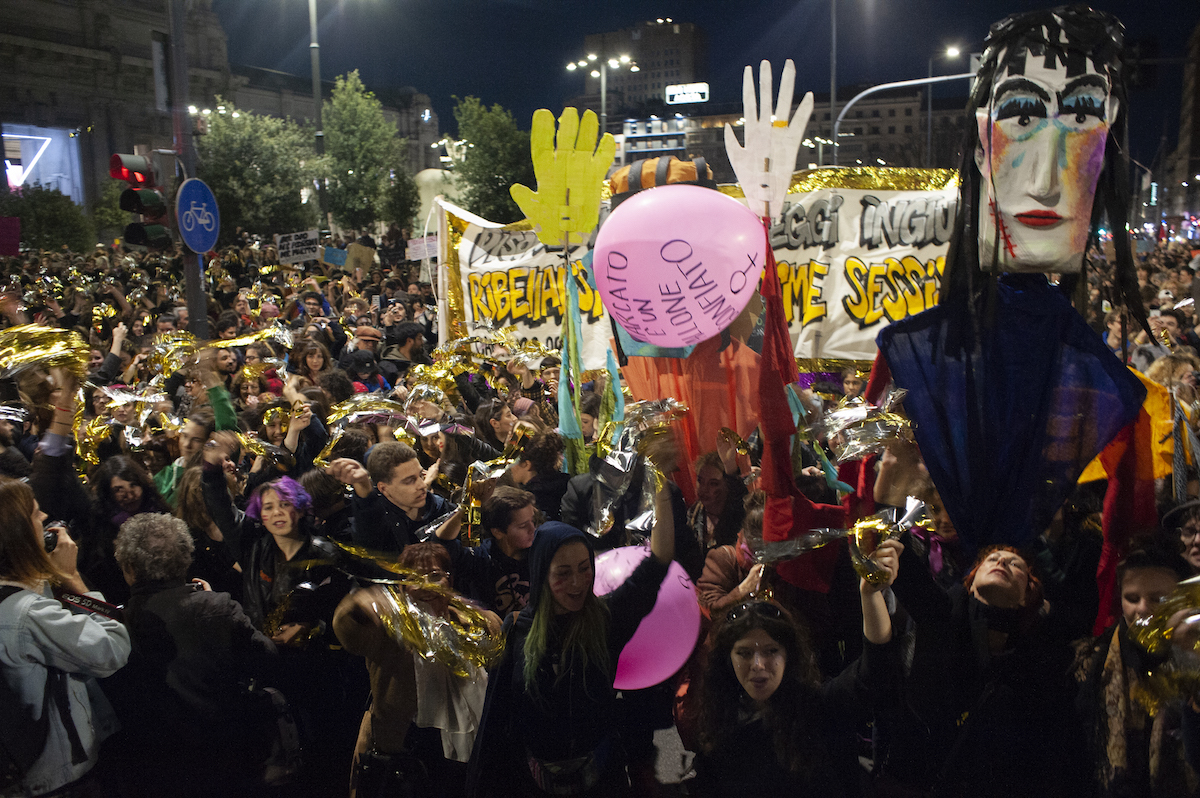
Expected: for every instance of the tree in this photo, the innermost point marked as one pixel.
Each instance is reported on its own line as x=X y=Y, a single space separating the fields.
x=107 y=217
x=495 y=155
x=363 y=150
x=402 y=200
x=257 y=167
x=49 y=219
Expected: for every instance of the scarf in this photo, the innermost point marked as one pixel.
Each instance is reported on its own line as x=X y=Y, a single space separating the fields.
x=1137 y=751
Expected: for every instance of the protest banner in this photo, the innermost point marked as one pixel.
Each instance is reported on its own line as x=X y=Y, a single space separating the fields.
x=501 y=275
x=855 y=250
x=298 y=247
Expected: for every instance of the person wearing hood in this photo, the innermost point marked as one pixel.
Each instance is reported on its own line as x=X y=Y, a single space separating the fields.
x=549 y=721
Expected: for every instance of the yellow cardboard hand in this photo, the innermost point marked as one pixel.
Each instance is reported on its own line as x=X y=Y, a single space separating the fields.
x=569 y=175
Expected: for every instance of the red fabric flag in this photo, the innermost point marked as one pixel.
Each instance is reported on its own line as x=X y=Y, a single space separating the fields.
x=788 y=513
x=1129 y=507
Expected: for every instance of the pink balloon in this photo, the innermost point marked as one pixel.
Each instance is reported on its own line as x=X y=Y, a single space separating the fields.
x=665 y=638
x=677 y=264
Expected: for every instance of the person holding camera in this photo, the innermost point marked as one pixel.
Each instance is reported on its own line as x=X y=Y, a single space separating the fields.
x=51 y=723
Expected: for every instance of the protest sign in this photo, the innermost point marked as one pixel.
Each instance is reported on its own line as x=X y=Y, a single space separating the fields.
x=10 y=236
x=861 y=249
x=359 y=256
x=334 y=256
x=421 y=248
x=298 y=247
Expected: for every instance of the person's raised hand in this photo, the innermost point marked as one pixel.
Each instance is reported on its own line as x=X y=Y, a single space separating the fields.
x=750 y=584
x=302 y=416
x=765 y=164
x=570 y=174
x=348 y=471
x=887 y=557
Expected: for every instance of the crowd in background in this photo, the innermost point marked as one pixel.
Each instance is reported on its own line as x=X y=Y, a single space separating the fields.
x=213 y=516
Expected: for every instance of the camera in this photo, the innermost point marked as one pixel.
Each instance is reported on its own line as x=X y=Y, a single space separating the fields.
x=50 y=534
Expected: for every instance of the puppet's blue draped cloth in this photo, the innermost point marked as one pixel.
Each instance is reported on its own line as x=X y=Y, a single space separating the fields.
x=1010 y=402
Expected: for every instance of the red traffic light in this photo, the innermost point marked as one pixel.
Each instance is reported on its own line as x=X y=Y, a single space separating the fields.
x=135 y=169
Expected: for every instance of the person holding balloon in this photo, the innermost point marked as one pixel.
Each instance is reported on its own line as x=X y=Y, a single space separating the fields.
x=549 y=722
x=767 y=725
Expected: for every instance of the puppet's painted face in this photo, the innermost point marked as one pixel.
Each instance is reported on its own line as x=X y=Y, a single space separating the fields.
x=1042 y=148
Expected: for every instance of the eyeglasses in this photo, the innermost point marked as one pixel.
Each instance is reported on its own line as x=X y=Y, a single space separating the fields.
x=763 y=608
x=1189 y=531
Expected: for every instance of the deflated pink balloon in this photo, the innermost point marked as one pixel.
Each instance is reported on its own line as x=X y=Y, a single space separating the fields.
x=665 y=638
x=677 y=264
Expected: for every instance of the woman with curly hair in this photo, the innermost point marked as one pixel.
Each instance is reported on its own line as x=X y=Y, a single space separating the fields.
x=768 y=726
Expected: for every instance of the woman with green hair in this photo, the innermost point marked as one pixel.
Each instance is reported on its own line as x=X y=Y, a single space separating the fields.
x=549 y=724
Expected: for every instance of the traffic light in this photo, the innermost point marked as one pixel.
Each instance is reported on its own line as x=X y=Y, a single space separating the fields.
x=144 y=198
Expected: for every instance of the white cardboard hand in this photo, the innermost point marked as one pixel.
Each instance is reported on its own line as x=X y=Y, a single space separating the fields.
x=764 y=166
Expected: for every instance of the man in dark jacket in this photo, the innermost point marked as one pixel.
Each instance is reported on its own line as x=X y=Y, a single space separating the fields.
x=389 y=514
x=180 y=698
x=496 y=573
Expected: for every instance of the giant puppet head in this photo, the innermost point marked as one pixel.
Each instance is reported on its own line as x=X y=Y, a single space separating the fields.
x=1047 y=98
x=1010 y=395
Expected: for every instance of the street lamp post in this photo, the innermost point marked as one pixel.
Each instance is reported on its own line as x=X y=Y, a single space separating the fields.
x=951 y=52
x=832 y=69
x=314 y=50
x=601 y=66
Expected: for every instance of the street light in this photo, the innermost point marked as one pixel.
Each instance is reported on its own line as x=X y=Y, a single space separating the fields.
x=951 y=52
x=600 y=68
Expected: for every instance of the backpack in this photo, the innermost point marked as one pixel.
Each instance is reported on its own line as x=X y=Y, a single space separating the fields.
x=22 y=739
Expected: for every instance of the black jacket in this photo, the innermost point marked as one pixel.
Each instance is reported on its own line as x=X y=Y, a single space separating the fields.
x=572 y=714
x=971 y=722
x=577 y=509
x=381 y=526
x=484 y=574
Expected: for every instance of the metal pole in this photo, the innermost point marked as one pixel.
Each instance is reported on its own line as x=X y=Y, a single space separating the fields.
x=900 y=84
x=929 y=118
x=314 y=51
x=833 y=70
x=603 y=97
x=193 y=267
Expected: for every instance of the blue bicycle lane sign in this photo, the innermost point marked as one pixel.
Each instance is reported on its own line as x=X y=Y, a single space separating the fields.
x=197 y=216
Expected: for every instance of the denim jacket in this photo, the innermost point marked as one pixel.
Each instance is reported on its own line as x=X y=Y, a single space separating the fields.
x=36 y=631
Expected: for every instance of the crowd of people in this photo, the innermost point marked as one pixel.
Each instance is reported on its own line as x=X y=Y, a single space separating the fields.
x=187 y=601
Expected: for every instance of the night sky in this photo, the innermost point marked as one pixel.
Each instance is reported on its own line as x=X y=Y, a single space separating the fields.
x=513 y=52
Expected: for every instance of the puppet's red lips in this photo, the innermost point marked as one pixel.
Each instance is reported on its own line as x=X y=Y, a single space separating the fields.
x=1038 y=218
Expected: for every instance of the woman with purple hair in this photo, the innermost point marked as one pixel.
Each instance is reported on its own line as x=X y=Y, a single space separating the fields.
x=291 y=589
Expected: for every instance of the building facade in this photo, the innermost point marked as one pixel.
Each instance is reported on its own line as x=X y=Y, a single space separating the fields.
x=666 y=52
x=81 y=80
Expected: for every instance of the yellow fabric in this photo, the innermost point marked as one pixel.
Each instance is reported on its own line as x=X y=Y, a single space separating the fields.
x=1158 y=407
